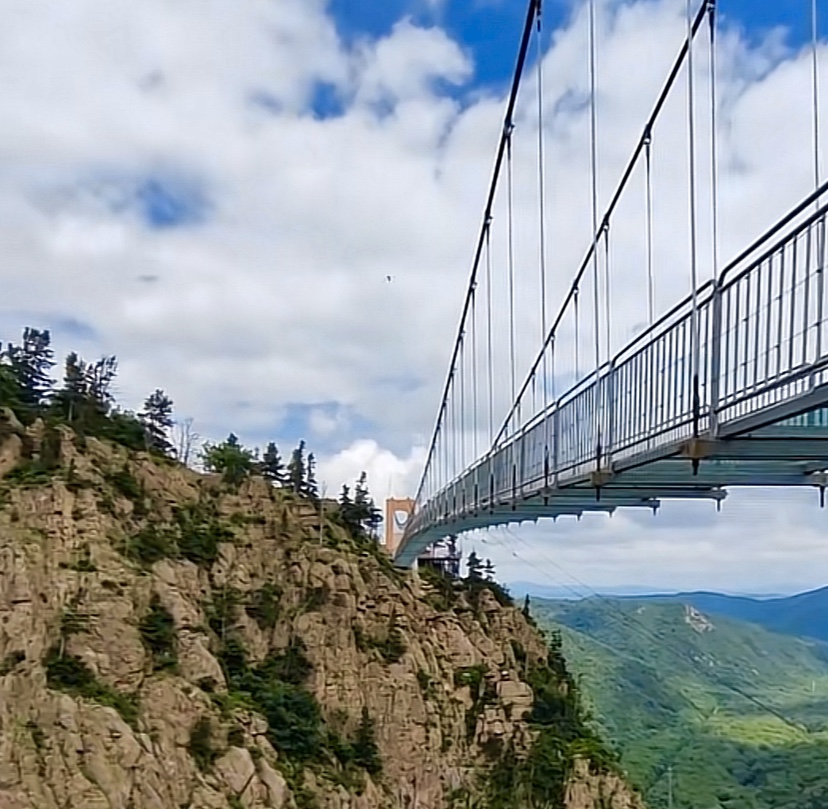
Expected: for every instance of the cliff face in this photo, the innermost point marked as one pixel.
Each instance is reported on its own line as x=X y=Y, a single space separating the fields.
x=167 y=641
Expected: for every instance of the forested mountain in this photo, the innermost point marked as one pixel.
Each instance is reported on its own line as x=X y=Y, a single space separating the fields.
x=804 y=614
x=739 y=713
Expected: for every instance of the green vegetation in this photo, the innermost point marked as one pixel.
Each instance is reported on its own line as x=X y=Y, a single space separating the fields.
x=739 y=713
x=482 y=693
x=390 y=644
x=195 y=534
x=157 y=630
x=85 y=402
x=70 y=674
x=11 y=661
x=562 y=734
x=200 y=744
x=263 y=606
x=277 y=689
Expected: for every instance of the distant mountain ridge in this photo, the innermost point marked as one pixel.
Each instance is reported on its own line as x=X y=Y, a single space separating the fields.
x=736 y=713
x=803 y=615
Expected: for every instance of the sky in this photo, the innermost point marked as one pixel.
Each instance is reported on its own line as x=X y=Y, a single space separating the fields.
x=218 y=193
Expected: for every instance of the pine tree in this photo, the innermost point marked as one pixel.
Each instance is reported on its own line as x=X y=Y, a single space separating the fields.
x=366 y=751
x=157 y=419
x=70 y=399
x=99 y=378
x=296 y=469
x=272 y=467
x=488 y=570
x=30 y=364
x=311 y=489
x=347 y=512
x=525 y=610
x=9 y=388
x=475 y=567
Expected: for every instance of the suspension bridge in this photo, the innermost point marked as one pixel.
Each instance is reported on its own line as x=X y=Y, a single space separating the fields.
x=626 y=403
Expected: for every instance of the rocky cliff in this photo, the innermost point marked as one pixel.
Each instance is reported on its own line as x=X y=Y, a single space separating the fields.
x=168 y=641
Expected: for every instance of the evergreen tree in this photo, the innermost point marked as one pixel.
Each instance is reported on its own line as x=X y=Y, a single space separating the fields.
x=9 y=388
x=366 y=751
x=374 y=518
x=525 y=610
x=347 y=512
x=296 y=469
x=99 y=379
x=30 y=364
x=272 y=467
x=488 y=570
x=70 y=399
x=311 y=489
x=230 y=458
x=362 y=497
x=157 y=419
x=475 y=568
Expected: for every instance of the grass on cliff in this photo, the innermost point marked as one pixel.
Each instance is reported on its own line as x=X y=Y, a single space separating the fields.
x=158 y=634
x=276 y=688
x=70 y=674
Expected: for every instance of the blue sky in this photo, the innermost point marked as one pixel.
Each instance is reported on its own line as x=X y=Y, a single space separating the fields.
x=490 y=28
x=172 y=196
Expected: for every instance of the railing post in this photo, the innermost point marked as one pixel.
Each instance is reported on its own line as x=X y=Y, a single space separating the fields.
x=715 y=358
x=820 y=270
x=556 y=441
x=610 y=441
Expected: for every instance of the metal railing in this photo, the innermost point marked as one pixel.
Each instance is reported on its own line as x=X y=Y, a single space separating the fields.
x=762 y=331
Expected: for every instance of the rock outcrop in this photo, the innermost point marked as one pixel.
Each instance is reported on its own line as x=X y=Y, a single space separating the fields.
x=168 y=641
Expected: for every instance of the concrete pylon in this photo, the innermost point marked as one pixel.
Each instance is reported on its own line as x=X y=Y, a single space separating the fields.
x=394 y=523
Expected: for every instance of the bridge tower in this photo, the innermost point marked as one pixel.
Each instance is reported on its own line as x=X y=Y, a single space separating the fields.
x=397 y=512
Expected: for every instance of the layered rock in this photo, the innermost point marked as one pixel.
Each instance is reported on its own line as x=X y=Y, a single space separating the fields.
x=76 y=586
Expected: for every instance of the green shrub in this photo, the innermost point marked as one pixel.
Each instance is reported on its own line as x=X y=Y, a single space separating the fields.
x=158 y=633
x=291 y=665
x=295 y=726
x=235 y=737
x=316 y=598
x=151 y=544
x=125 y=483
x=11 y=661
x=393 y=646
x=199 y=534
x=71 y=675
x=222 y=611
x=364 y=745
x=201 y=745
x=29 y=472
x=427 y=687
x=264 y=606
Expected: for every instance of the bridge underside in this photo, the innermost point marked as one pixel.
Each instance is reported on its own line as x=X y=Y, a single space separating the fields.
x=793 y=451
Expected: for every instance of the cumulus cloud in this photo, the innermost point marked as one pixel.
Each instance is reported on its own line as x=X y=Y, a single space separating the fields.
x=218 y=193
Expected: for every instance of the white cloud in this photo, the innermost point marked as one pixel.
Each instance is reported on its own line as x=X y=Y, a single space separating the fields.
x=280 y=296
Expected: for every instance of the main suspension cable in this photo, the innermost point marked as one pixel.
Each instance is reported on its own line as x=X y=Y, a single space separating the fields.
x=489 y=374
x=511 y=259
x=649 y=227
x=593 y=148
x=815 y=76
x=475 y=431
x=691 y=123
x=714 y=140
x=541 y=196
